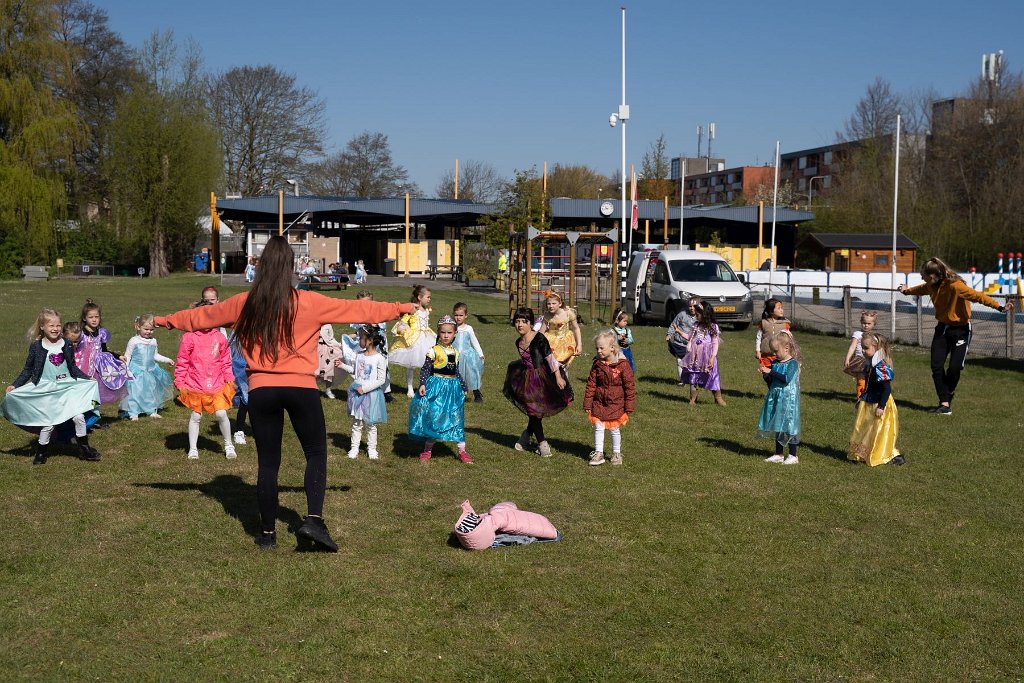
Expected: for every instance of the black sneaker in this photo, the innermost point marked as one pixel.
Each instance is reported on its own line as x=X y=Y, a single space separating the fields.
x=266 y=541
x=89 y=453
x=315 y=530
x=39 y=453
x=898 y=460
x=942 y=410
x=388 y=398
x=477 y=396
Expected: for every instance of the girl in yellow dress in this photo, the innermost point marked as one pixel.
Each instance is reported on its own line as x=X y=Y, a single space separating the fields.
x=878 y=422
x=414 y=336
x=561 y=329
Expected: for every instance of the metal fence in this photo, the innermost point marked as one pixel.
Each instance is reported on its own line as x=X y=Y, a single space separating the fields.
x=836 y=310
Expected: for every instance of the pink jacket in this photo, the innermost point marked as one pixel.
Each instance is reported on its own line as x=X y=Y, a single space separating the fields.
x=204 y=362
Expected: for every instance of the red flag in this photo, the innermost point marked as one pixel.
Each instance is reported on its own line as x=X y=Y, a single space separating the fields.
x=634 y=220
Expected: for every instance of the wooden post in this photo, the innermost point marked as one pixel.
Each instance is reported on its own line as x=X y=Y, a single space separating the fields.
x=406 y=234
x=760 y=232
x=529 y=271
x=647 y=231
x=456 y=178
x=214 y=234
x=665 y=215
x=280 y=212
x=572 y=275
x=847 y=312
x=543 y=200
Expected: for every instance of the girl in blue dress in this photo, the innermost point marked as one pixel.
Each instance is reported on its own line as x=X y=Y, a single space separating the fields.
x=437 y=411
x=471 y=356
x=153 y=386
x=51 y=390
x=780 y=416
x=366 y=402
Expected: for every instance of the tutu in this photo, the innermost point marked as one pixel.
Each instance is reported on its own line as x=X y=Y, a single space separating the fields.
x=410 y=348
x=439 y=416
x=369 y=407
x=534 y=391
x=200 y=402
x=49 y=402
x=108 y=371
x=610 y=424
x=874 y=438
x=152 y=386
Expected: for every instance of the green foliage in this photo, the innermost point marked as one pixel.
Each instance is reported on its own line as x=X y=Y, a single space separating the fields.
x=100 y=242
x=480 y=260
x=655 y=169
x=520 y=203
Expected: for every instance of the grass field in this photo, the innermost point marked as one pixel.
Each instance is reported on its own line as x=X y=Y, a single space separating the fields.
x=696 y=560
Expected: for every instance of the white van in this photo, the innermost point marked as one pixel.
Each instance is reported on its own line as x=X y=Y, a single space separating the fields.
x=661 y=281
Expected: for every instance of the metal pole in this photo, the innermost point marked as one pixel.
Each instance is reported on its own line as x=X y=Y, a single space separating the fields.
x=895 y=203
x=622 y=120
x=682 y=196
x=920 y=323
x=280 y=212
x=456 y=179
x=664 y=214
x=406 y=257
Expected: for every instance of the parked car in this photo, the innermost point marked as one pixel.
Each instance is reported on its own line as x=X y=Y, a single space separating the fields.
x=660 y=282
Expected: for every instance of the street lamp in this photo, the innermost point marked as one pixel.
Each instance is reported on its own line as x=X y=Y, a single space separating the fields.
x=810 y=189
x=294 y=183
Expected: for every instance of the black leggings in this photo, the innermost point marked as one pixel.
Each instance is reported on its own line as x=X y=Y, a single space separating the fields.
x=243 y=409
x=779 y=446
x=952 y=341
x=268 y=406
x=536 y=427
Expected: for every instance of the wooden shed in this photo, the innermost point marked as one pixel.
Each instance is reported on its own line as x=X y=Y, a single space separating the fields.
x=858 y=252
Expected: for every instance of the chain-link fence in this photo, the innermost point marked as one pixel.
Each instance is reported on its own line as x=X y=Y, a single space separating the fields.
x=836 y=310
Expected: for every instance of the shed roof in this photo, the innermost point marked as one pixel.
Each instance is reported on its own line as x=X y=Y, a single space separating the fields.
x=861 y=240
x=355 y=210
x=654 y=209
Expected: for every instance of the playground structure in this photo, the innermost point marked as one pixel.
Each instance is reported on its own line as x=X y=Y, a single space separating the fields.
x=530 y=273
x=1010 y=283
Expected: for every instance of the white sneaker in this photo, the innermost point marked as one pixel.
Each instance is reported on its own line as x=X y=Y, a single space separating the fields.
x=240 y=438
x=791 y=460
x=229 y=452
x=133 y=418
x=354 y=453
x=544 y=449
x=374 y=455
x=775 y=458
x=329 y=394
x=193 y=454
x=410 y=392
x=157 y=416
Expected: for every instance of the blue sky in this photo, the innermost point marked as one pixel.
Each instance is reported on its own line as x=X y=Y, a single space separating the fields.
x=519 y=83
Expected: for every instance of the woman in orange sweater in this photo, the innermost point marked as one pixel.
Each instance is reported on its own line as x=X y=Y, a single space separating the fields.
x=950 y=296
x=277 y=328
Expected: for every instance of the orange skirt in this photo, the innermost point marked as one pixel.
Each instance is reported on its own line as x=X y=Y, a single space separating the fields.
x=200 y=402
x=609 y=424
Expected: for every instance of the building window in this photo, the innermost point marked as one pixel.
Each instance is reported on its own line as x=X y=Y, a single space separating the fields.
x=828 y=158
x=881 y=259
x=826 y=181
x=801 y=184
x=803 y=163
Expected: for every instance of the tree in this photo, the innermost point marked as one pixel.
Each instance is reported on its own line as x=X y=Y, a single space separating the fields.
x=164 y=158
x=102 y=69
x=478 y=182
x=269 y=126
x=38 y=131
x=655 y=168
x=875 y=113
x=575 y=181
x=365 y=168
x=520 y=204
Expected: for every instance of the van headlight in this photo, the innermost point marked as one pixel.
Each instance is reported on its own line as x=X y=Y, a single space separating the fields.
x=746 y=297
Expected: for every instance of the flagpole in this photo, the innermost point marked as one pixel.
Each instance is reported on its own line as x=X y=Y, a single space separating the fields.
x=682 y=195
x=623 y=117
x=775 y=206
x=895 y=203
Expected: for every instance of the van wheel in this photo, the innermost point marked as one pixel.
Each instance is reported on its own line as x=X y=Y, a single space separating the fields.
x=739 y=327
x=672 y=309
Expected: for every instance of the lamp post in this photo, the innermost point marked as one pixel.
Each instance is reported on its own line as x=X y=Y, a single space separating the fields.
x=295 y=185
x=810 y=189
x=621 y=116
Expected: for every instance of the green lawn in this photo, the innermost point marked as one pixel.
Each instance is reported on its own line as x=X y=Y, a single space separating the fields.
x=696 y=560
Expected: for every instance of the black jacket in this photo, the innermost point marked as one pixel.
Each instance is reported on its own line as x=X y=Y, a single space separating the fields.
x=37 y=358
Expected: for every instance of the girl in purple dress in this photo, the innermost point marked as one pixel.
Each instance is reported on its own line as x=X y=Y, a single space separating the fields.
x=699 y=368
x=536 y=383
x=93 y=358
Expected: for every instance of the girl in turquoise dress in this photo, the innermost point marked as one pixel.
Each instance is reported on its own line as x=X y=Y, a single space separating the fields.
x=51 y=389
x=437 y=411
x=153 y=386
x=780 y=416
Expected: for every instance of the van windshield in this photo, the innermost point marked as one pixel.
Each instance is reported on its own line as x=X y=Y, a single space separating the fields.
x=701 y=271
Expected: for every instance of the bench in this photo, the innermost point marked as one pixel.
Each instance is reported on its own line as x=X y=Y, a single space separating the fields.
x=35 y=273
x=434 y=270
x=325 y=281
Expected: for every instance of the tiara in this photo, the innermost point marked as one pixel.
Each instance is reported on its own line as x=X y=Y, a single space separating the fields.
x=446 y=320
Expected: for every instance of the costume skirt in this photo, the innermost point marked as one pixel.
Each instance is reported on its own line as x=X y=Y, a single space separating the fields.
x=563 y=343
x=628 y=353
x=697 y=374
x=874 y=438
x=412 y=356
x=201 y=402
x=609 y=424
x=369 y=407
x=439 y=416
x=148 y=392
x=534 y=390
x=238 y=366
x=471 y=368
x=49 y=403
x=112 y=375
x=780 y=415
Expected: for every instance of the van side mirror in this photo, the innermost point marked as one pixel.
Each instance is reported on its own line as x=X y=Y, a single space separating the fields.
x=742 y=277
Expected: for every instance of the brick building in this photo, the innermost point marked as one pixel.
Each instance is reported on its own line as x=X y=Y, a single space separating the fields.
x=728 y=185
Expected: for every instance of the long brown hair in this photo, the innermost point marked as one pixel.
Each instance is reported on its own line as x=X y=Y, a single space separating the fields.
x=268 y=314
x=937 y=267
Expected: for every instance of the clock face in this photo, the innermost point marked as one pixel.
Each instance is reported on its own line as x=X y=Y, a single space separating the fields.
x=607 y=208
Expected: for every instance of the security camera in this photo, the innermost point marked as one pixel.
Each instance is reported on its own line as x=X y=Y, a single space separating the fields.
x=613 y=119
